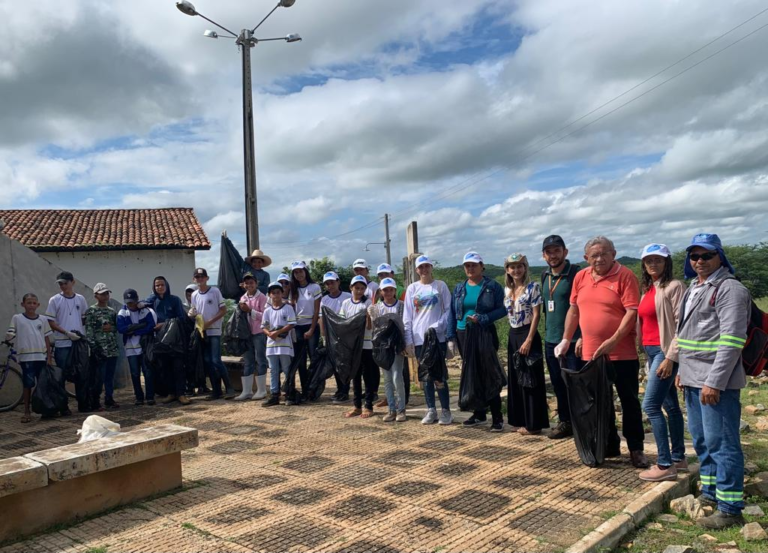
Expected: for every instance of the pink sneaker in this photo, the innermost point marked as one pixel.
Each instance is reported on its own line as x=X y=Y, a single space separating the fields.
x=656 y=474
x=682 y=466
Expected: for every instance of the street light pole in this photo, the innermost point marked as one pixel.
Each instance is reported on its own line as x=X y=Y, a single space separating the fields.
x=246 y=42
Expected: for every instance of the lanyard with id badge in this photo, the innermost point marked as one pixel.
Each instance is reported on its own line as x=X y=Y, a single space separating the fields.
x=551 y=302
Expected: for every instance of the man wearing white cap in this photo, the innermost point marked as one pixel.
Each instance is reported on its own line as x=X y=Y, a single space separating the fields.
x=255 y=264
x=333 y=300
x=360 y=268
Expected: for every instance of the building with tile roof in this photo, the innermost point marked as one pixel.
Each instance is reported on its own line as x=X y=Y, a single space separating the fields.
x=124 y=248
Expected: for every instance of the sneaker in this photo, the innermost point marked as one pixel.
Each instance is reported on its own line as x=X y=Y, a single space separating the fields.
x=184 y=400
x=230 y=394
x=111 y=404
x=212 y=397
x=446 y=417
x=273 y=400
x=473 y=421
x=139 y=402
x=720 y=520
x=289 y=402
x=401 y=417
x=389 y=417
x=497 y=426
x=430 y=417
x=681 y=466
x=562 y=430
x=150 y=402
x=168 y=399
x=658 y=474
x=341 y=399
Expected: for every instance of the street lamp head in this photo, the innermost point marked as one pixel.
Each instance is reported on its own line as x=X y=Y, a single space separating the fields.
x=286 y=3
x=186 y=7
x=211 y=34
x=293 y=37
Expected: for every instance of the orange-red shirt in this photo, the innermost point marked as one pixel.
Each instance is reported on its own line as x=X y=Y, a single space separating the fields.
x=602 y=303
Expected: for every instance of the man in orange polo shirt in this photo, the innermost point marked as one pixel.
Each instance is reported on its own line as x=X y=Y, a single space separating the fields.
x=604 y=301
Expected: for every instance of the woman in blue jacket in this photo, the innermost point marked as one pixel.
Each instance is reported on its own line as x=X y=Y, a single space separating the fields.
x=478 y=300
x=170 y=379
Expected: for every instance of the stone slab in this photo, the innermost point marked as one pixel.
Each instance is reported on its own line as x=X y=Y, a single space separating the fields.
x=77 y=460
x=66 y=501
x=18 y=474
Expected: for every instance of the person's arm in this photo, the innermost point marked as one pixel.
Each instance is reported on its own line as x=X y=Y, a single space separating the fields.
x=627 y=326
x=408 y=319
x=499 y=309
x=11 y=332
x=525 y=348
x=50 y=313
x=48 y=351
x=443 y=323
x=675 y=292
x=222 y=311
x=90 y=330
x=315 y=316
x=123 y=323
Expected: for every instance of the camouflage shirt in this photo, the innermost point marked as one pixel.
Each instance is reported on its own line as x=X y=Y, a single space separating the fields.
x=101 y=342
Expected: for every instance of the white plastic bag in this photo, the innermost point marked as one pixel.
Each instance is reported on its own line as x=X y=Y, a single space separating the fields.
x=95 y=427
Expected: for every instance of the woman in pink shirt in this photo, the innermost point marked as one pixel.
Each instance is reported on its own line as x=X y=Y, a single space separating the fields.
x=255 y=359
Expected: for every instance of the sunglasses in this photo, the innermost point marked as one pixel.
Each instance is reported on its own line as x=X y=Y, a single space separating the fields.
x=703 y=256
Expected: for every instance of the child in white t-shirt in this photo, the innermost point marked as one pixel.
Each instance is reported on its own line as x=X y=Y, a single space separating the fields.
x=305 y=296
x=333 y=300
x=368 y=371
x=31 y=334
x=278 y=320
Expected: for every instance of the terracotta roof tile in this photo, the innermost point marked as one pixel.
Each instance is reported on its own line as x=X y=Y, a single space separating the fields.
x=105 y=229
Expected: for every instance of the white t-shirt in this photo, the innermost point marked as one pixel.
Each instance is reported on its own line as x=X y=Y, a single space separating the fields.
x=334 y=304
x=426 y=306
x=370 y=290
x=274 y=319
x=68 y=314
x=305 y=303
x=29 y=337
x=382 y=310
x=208 y=304
x=350 y=308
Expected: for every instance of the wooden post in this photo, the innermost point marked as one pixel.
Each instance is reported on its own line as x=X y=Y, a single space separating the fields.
x=409 y=271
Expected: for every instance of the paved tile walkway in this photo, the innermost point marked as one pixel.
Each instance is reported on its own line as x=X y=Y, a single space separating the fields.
x=306 y=479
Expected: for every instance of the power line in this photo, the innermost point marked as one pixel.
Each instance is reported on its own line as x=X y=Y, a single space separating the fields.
x=455 y=189
x=347 y=233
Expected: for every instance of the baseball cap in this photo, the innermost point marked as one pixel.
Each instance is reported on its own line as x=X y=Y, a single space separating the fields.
x=330 y=275
x=192 y=287
x=359 y=278
x=283 y=276
x=101 y=288
x=423 y=260
x=273 y=285
x=472 y=257
x=388 y=283
x=130 y=296
x=200 y=272
x=707 y=241
x=298 y=265
x=248 y=275
x=384 y=268
x=359 y=264
x=64 y=276
x=655 y=249
x=552 y=240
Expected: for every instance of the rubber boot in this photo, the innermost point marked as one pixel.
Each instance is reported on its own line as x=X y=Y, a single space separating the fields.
x=261 y=387
x=247 y=392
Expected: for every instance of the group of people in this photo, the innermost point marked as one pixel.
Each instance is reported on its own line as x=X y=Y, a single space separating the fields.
x=692 y=338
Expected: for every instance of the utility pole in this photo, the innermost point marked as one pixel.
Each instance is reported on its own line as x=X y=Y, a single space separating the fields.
x=246 y=42
x=387 y=241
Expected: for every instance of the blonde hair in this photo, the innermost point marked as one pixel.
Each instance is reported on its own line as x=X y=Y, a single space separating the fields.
x=509 y=281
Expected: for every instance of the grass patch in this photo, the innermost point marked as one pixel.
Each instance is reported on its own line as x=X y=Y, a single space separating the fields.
x=193 y=528
x=100 y=549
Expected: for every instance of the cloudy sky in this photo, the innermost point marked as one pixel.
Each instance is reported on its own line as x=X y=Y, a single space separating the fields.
x=467 y=117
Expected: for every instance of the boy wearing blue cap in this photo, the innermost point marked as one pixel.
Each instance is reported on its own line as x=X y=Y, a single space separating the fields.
x=712 y=331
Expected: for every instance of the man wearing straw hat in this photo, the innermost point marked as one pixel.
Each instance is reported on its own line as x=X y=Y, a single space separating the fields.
x=255 y=264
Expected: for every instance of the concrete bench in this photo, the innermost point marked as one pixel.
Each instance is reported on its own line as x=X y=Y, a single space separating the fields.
x=65 y=483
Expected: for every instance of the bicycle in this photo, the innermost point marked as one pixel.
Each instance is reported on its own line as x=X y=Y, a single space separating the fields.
x=11 y=382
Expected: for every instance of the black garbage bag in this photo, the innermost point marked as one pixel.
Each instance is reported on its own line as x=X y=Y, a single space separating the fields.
x=432 y=361
x=344 y=340
x=237 y=333
x=529 y=369
x=482 y=377
x=289 y=386
x=148 y=343
x=230 y=270
x=388 y=341
x=79 y=359
x=50 y=396
x=591 y=399
x=170 y=339
x=194 y=363
x=320 y=369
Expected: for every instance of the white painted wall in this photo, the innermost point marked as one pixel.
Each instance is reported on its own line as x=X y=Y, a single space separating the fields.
x=121 y=269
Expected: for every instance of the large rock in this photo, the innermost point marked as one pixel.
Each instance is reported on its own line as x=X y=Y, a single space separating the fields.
x=743 y=426
x=753 y=532
x=758 y=485
x=762 y=424
x=678 y=549
x=753 y=511
x=688 y=506
x=754 y=409
x=669 y=519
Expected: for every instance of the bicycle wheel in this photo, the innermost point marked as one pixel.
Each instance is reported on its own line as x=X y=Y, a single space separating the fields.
x=11 y=388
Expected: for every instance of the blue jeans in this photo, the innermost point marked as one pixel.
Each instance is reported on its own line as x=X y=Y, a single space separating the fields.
x=214 y=365
x=255 y=359
x=661 y=392
x=137 y=365
x=278 y=364
x=429 y=385
x=30 y=371
x=61 y=356
x=394 y=386
x=715 y=433
x=556 y=376
x=107 y=368
x=309 y=353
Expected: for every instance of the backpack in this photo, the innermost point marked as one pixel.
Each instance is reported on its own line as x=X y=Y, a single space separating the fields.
x=754 y=356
